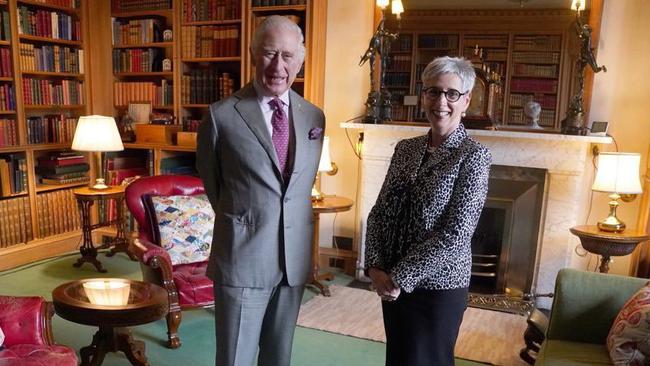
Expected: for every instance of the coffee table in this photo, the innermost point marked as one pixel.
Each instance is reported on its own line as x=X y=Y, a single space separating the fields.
x=146 y=303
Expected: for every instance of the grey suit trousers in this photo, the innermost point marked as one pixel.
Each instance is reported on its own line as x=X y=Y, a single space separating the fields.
x=242 y=312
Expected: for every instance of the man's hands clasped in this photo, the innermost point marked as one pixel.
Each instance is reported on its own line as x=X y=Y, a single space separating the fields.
x=384 y=285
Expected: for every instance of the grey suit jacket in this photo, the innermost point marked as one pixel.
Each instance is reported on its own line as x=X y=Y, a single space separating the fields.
x=262 y=226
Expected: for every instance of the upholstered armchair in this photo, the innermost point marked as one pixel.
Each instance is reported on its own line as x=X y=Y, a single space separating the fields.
x=186 y=283
x=27 y=325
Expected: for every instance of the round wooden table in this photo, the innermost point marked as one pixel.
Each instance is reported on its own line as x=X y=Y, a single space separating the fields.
x=146 y=303
x=86 y=197
x=329 y=204
x=608 y=244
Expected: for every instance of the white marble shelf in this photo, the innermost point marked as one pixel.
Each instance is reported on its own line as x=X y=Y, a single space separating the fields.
x=487 y=133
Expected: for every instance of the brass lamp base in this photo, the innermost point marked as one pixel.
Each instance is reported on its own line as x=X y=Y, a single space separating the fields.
x=316 y=194
x=612 y=223
x=100 y=185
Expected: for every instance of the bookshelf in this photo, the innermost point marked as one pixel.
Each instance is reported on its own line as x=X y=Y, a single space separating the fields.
x=33 y=230
x=527 y=51
x=42 y=93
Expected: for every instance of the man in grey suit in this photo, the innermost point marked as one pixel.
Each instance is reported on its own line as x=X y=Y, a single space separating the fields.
x=257 y=156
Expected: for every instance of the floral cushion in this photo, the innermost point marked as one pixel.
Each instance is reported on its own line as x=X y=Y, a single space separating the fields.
x=628 y=341
x=185 y=224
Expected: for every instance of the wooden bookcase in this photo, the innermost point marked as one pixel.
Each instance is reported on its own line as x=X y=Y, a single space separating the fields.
x=34 y=230
x=43 y=62
x=528 y=51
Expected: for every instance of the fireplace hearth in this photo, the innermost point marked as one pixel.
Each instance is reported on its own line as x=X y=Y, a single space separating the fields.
x=506 y=241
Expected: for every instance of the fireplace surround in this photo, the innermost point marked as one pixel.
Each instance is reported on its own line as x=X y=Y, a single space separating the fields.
x=566 y=159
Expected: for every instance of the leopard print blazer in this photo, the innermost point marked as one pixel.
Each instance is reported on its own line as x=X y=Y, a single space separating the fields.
x=420 y=229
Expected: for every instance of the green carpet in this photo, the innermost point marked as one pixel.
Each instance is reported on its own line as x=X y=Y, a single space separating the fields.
x=311 y=347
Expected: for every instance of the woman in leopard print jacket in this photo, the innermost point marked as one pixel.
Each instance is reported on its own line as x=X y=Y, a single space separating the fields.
x=418 y=250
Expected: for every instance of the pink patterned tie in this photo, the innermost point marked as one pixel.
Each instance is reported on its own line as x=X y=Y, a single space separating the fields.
x=280 y=123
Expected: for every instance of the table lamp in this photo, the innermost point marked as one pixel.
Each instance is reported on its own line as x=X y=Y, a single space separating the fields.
x=618 y=174
x=97 y=134
x=110 y=291
x=325 y=165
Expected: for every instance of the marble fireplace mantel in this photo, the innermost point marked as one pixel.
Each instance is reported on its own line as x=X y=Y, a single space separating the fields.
x=567 y=159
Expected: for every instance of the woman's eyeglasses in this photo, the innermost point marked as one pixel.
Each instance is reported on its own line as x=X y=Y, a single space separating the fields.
x=452 y=95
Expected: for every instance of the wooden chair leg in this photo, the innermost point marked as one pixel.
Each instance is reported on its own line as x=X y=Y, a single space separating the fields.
x=173 y=322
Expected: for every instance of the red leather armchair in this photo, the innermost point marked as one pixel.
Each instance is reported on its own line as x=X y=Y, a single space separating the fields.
x=187 y=284
x=27 y=325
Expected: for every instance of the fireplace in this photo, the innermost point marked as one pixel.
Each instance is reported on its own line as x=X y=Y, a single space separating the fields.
x=505 y=243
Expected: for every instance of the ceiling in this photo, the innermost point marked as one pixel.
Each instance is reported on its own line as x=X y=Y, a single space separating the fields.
x=488 y=4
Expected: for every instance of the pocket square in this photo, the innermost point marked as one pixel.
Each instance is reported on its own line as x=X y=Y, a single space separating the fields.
x=315 y=133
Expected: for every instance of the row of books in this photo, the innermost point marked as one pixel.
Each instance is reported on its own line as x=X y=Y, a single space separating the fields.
x=53 y=92
x=278 y=2
x=8 y=132
x=57 y=212
x=181 y=164
x=5 y=62
x=117 y=168
x=517 y=117
x=486 y=41
x=205 y=86
x=210 y=41
x=13 y=174
x=136 y=31
x=536 y=57
x=537 y=43
x=437 y=41
x=138 y=5
x=138 y=60
x=75 y=4
x=545 y=100
x=403 y=43
x=535 y=70
x=400 y=63
x=50 y=24
x=191 y=124
x=534 y=85
x=16 y=223
x=51 y=58
x=125 y=92
x=202 y=10
x=5 y=25
x=7 y=98
x=50 y=129
x=398 y=79
x=486 y=54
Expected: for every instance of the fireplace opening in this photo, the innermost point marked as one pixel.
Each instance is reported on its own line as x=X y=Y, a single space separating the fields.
x=505 y=243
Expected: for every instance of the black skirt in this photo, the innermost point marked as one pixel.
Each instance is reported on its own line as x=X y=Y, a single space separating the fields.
x=422 y=327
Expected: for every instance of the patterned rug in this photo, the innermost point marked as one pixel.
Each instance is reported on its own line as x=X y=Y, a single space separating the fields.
x=485 y=335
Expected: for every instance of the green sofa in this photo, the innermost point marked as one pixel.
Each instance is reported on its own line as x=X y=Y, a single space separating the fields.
x=584 y=308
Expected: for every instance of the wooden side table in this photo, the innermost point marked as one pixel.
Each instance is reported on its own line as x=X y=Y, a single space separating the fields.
x=608 y=244
x=329 y=204
x=146 y=303
x=86 y=197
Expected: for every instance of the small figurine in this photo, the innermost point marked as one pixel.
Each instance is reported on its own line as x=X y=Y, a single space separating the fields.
x=532 y=110
x=167 y=35
x=167 y=65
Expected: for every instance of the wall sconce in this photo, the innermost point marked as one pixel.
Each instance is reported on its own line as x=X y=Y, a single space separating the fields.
x=618 y=174
x=97 y=134
x=324 y=166
x=573 y=123
x=111 y=291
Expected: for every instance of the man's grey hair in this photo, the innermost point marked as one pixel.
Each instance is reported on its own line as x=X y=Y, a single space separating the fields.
x=273 y=23
x=451 y=65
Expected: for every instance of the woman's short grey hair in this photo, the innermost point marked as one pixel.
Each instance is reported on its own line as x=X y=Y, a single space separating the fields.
x=273 y=23
x=451 y=65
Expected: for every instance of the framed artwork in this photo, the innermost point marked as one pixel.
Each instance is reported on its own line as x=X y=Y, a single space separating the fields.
x=140 y=112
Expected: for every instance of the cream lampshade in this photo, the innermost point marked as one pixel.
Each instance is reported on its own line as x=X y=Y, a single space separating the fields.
x=325 y=165
x=97 y=134
x=618 y=174
x=110 y=291
x=578 y=5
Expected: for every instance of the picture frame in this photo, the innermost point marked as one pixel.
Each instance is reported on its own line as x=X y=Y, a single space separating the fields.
x=140 y=112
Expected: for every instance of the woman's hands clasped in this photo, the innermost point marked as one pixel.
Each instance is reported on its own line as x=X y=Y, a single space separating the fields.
x=384 y=285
